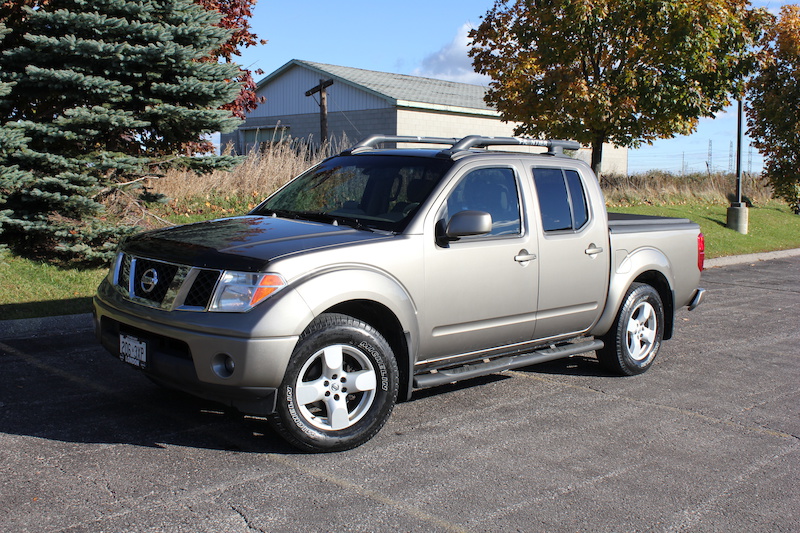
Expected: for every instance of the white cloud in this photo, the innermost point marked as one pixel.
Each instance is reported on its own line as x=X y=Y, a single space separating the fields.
x=452 y=61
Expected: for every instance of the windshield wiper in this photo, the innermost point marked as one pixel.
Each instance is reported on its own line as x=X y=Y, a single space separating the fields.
x=354 y=223
x=319 y=216
x=283 y=213
x=336 y=220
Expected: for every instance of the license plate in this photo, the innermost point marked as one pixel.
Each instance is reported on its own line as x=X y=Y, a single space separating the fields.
x=132 y=350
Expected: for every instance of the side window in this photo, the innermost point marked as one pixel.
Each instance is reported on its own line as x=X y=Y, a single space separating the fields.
x=577 y=197
x=562 y=200
x=494 y=191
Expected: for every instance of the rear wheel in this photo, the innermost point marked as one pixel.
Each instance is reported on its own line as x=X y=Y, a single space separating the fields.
x=633 y=342
x=340 y=386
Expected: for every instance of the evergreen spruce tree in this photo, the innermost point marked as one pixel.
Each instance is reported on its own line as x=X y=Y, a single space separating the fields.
x=11 y=140
x=99 y=94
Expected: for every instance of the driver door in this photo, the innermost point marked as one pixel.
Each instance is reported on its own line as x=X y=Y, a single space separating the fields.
x=480 y=291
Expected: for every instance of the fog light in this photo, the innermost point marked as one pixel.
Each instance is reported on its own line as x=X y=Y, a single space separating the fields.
x=223 y=365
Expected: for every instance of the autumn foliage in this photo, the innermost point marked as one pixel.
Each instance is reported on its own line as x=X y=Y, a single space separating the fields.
x=236 y=15
x=772 y=108
x=618 y=71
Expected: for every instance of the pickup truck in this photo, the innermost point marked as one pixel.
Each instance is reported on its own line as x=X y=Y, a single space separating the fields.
x=383 y=270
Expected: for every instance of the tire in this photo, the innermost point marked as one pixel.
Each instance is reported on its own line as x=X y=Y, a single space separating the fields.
x=340 y=386
x=635 y=338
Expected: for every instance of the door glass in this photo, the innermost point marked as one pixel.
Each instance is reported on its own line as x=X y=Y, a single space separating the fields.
x=493 y=191
x=562 y=200
x=580 y=213
x=553 y=199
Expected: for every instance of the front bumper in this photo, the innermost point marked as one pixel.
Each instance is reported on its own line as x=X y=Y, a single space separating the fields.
x=187 y=359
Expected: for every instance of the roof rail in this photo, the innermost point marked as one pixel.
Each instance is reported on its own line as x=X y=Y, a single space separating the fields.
x=374 y=140
x=555 y=147
x=477 y=141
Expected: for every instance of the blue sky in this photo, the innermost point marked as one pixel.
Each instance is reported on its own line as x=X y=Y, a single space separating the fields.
x=428 y=38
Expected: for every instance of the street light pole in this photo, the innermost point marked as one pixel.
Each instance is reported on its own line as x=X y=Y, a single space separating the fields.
x=737 y=212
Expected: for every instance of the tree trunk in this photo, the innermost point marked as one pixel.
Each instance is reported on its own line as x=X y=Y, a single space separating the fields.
x=597 y=153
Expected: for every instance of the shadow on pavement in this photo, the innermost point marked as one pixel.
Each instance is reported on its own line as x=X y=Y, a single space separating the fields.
x=72 y=390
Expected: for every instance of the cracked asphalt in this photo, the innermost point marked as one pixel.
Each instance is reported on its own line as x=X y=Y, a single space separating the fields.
x=707 y=440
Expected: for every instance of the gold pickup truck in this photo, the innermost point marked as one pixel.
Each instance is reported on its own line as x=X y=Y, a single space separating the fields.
x=383 y=270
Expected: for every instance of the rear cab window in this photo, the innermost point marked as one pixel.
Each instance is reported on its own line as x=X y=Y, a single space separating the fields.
x=562 y=199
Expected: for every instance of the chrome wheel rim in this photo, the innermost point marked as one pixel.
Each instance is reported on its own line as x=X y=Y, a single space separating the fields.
x=335 y=387
x=641 y=331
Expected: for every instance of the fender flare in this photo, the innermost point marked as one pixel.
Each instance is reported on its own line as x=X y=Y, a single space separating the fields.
x=644 y=264
x=321 y=291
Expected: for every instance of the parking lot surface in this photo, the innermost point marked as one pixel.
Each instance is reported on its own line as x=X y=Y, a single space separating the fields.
x=707 y=440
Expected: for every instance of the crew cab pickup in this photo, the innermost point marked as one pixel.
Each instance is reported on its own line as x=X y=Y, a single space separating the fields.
x=384 y=270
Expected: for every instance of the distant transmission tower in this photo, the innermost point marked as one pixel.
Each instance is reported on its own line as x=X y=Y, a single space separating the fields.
x=730 y=158
x=710 y=159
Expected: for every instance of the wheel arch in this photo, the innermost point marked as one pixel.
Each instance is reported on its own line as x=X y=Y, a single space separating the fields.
x=375 y=298
x=388 y=325
x=659 y=282
x=646 y=265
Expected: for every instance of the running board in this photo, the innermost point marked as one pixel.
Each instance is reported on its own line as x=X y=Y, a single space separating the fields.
x=451 y=375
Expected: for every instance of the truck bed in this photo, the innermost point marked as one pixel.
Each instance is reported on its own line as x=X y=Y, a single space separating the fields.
x=630 y=223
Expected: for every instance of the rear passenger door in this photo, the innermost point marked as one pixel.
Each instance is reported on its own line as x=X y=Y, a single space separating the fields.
x=573 y=251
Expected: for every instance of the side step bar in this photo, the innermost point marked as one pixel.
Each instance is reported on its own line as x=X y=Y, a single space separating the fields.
x=451 y=375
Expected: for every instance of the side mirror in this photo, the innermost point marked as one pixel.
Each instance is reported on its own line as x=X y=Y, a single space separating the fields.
x=466 y=223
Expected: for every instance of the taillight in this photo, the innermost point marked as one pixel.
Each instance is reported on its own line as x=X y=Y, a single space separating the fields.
x=701 y=251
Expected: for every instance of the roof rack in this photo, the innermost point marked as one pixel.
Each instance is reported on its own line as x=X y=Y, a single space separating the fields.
x=554 y=147
x=374 y=140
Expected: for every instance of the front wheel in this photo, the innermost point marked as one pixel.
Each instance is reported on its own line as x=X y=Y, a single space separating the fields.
x=339 y=388
x=633 y=342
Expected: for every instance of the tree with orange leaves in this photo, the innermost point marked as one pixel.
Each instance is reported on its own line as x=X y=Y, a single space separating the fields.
x=618 y=71
x=772 y=108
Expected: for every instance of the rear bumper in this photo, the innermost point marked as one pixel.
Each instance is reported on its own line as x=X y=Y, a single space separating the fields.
x=697 y=299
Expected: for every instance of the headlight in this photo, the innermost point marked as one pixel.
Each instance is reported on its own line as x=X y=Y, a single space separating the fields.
x=241 y=291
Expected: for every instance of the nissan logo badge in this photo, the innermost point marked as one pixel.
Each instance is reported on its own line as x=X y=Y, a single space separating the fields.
x=149 y=280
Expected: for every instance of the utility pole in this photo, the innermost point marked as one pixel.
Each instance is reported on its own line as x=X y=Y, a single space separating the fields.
x=323 y=107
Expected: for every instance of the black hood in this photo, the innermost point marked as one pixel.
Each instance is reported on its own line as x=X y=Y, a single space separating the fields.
x=245 y=243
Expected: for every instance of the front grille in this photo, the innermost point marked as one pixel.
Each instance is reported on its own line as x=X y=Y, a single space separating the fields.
x=164 y=285
x=202 y=288
x=152 y=279
x=125 y=272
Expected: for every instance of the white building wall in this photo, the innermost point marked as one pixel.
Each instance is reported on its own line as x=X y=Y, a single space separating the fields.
x=356 y=113
x=286 y=95
x=438 y=124
x=347 y=128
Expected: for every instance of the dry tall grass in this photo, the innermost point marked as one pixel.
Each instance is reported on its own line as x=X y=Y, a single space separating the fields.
x=262 y=172
x=663 y=188
x=259 y=174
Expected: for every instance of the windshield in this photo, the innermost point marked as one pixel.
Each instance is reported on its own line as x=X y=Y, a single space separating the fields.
x=367 y=191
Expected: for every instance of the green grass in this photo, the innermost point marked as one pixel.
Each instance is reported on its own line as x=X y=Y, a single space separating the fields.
x=30 y=289
x=771 y=227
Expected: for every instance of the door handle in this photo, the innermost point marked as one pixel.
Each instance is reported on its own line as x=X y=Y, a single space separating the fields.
x=523 y=256
x=593 y=250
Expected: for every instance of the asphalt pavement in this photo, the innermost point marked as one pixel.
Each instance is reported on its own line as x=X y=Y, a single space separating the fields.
x=707 y=440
